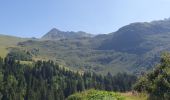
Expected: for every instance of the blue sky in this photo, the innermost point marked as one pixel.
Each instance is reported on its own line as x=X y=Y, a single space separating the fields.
x=33 y=18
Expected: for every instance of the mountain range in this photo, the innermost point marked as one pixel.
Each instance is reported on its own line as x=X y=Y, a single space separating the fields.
x=133 y=48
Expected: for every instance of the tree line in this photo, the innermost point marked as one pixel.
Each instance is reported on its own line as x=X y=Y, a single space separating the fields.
x=45 y=80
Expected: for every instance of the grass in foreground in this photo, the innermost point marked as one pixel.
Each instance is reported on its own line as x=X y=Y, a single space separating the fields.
x=96 y=95
x=105 y=95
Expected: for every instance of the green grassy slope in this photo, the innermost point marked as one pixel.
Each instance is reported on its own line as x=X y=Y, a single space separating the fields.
x=7 y=42
x=79 y=55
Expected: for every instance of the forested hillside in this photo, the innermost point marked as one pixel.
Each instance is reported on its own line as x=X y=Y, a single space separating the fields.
x=45 y=80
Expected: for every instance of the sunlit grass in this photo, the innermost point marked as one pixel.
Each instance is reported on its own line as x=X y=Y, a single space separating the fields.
x=6 y=42
x=130 y=96
x=3 y=51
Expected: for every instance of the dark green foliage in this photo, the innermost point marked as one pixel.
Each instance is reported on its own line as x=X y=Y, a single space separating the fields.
x=45 y=80
x=157 y=82
x=20 y=55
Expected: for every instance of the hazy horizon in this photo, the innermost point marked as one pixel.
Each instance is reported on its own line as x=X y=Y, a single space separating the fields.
x=35 y=18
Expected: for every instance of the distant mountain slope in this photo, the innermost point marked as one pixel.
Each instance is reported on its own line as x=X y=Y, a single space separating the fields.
x=133 y=48
x=78 y=54
x=133 y=38
x=55 y=34
x=145 y=40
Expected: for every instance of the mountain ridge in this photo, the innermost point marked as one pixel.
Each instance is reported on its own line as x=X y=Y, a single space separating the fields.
x=56 y=34
x=129 y=38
